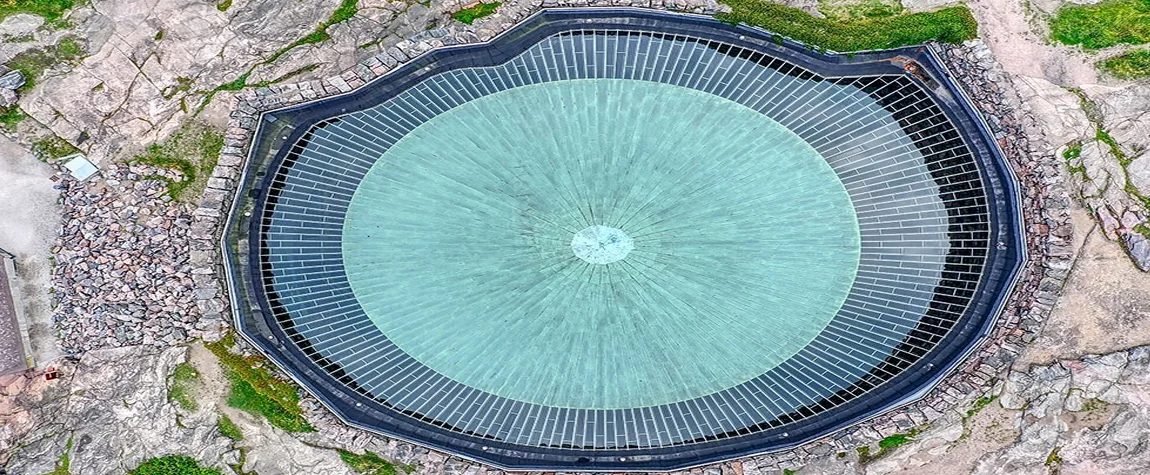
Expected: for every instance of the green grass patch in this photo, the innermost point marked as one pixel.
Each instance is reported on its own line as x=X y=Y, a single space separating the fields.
x=1095 y=404
x=173 y=465
x=64 y=463
x=51 y=10
x=1053 y=460
x=257 y=391
x=885 y=445
x=1107 y=23
x=245 y=397
x=894 y=441
x=981 y=403
x=10 y=117
x=372 y=464
x=851 y=10
x=52 y=147
x=948 y=25
x=34 y=62
x=469 y=15
x=1074 y=150
x=1143 y=229
x=236 y=84
x=69 y=48
x=183 y=84
x=224 y=5
x=1103 y=136
x=1129 y=65
x=192 y=151
x=229 y=429
x=344 y=12
x=184 y=378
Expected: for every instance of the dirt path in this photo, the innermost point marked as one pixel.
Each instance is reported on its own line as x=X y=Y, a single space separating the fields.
x=1018 y=40
x=29 y=217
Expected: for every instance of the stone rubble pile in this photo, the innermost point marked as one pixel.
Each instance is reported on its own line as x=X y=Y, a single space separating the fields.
x=122 y=275
x=10 y=81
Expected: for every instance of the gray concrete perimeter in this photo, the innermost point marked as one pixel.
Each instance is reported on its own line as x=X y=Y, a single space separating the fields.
x=29 y=218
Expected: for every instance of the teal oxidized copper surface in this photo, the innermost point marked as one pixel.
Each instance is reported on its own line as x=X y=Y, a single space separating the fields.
x=601 y=243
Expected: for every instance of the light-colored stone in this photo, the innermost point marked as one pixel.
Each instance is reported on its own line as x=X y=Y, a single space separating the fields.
x=1125 y=114
x=1105 y=305
x=113 y=407
x=1139 y=172
x=1061 y=115
x=19 y=25
x=1139 y=249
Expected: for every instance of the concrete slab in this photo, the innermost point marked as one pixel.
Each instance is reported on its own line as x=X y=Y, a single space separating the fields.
x=29 y=220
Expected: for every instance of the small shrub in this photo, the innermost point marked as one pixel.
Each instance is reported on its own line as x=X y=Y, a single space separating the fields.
x=184 y=379
x=371 y=464
x=1131 y=65
x=948 y=25
x=224 y=5
x=173 y=465
x=469 y=15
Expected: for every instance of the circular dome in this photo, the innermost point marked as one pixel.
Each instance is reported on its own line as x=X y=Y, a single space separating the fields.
x=463 y=232
x=620 y=240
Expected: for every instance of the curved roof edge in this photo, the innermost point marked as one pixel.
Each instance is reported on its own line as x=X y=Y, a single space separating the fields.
x=277 y=126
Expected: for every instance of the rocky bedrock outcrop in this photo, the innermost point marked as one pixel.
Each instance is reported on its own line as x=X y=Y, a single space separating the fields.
x=111 y=408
